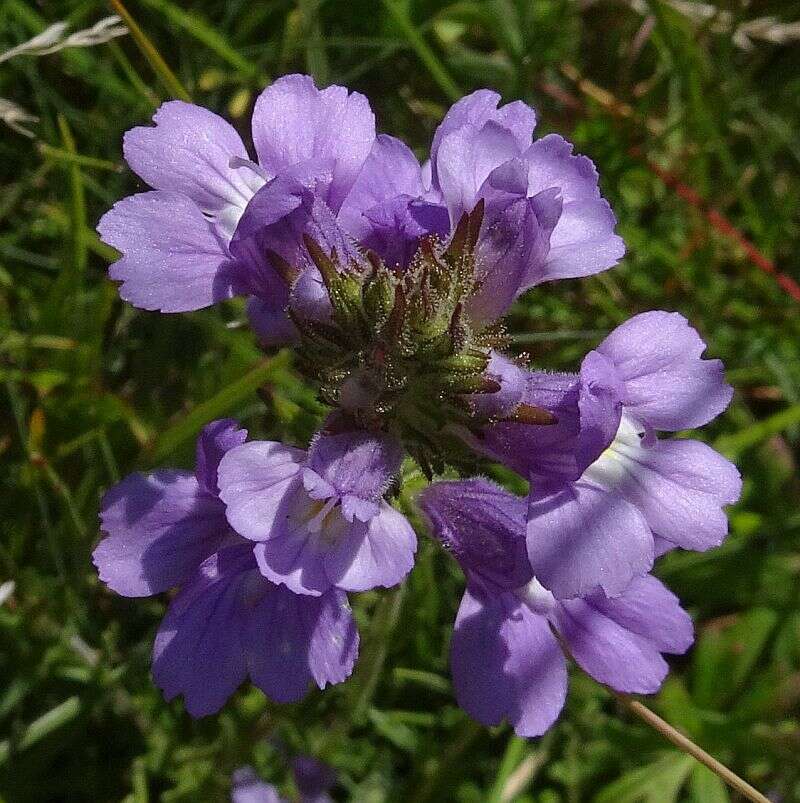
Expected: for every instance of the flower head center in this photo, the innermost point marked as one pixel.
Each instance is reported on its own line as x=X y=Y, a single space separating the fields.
x=400 y=350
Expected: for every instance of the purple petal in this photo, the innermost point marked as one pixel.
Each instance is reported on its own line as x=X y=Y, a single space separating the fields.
x=273 y=221
x=465 y=159
x=277 y=220
x=600 y=407
x=476 y=110
x=540 y=450
x=292 y=640
x=512 y=380
x=483 y=527
x=650 y=610
x=159 y=528
x=255 y=480
x=294 y=122
x=391 y=169
x=247 y=787
x=296 y=559
x=667 y=385
x=514 y=239
x=189 y=152
x=680 y=486
x=583 y=241
x=506 y=663
x=608 y=651
x=172 y=260
x=309 y=299
x=477 y=656
x=358 y=464
x=270 y=322
x=582 y=537
x=313 y=777
x=587 y=409
x=198 y=651
x=229 y=622
x=380 y=553
x=215 y=440
x=385 y=210
x=397 y=225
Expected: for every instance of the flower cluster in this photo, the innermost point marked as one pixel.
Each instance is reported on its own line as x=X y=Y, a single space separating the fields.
x=390 y=279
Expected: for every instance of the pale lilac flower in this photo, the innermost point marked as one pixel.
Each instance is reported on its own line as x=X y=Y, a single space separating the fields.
x=607 y=495
x=227 y=622
x=544 y=217
x=505 y=661
x=248 y=787
x=312 y=778
x=178 y=242
x=219 y=224
x=319 y=519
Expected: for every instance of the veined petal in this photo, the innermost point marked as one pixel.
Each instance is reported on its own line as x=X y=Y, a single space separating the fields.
x=650 y=610
x=476 y=110
x=391 y=169
x=292 y=640
x=465 y=159
x=256 y=480
x=680 y=486
x=667 y=384
x=173 y=260
x=296 y=560
x=507 y=664
x=581 y=538
x=583 y=241
x=215 y=440
x=189 y=151
x=514 y=240
x=378 y=553
x=608 y=651
x=483 y=527
x=587 y=409
x=294 y=122
x=358 y=464
x=159 y=528
x=199 y=649
x=229 y=622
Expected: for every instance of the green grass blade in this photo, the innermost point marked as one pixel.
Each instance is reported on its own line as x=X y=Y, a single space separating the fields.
x=426 y=55
x=223 y=402
x=200 y=29
x=734 y=445
x=149 y=51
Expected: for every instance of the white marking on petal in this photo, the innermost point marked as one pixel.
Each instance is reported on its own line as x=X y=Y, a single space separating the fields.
x=619 y=459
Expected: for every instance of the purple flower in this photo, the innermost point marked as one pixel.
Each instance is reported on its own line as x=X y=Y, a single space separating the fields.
x=318 y=518
x=227 y=622
x=181 y=244
x=544 y=216
x=247 y=787
x=607 y=495
x=390 y=206
x=312 y=778
x=505 y=661
x=219 y=224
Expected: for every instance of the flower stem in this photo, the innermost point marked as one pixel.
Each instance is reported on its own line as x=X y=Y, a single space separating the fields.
x=688 y=746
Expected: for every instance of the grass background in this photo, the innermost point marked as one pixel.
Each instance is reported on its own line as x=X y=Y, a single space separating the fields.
x=93 y=389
